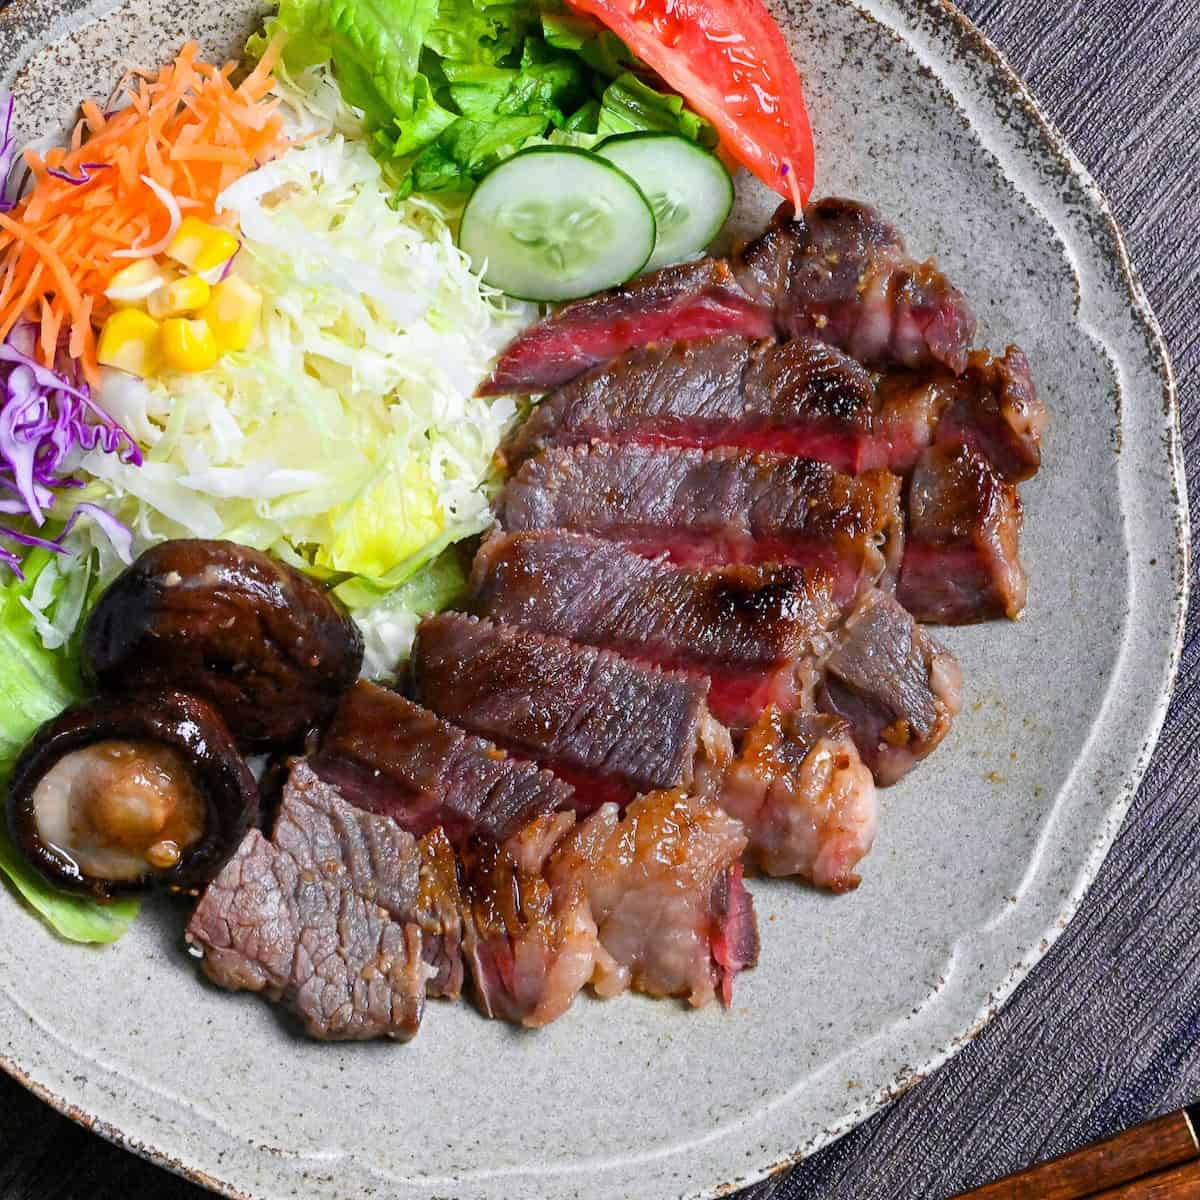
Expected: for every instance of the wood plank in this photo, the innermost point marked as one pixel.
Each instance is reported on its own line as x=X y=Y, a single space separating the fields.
x=1179 y=1183
x=1131 y=1155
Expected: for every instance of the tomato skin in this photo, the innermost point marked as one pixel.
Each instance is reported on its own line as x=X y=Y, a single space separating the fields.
x=728 y=59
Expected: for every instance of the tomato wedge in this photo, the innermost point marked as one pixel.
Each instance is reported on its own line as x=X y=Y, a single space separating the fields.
x=728 y=59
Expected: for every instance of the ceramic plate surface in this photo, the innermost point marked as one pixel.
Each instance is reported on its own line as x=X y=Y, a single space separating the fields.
x=983 y=854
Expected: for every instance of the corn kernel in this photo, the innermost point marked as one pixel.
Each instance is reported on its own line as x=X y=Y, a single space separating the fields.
x=189 y=345
x=201 y=246
x=135 y=283
x=130 y=341
x=189 y=294
x=233 y=313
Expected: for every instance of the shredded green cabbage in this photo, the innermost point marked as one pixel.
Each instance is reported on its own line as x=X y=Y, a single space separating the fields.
x=347 y=437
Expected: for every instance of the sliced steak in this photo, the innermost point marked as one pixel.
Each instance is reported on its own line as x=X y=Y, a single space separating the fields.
x=691 y=300
x=664 y=885
x=800 y=397
x=705 y=508
x=439 y=913
x=843 y=275
x=317 y=918
x=530 y=947
x=391 y=756
x=745 y=628
x=321 y=832
x=961 y=560
x=895 y=687
x=735 y=942
x=995 y=409
x=613 y=727
x=806 y=800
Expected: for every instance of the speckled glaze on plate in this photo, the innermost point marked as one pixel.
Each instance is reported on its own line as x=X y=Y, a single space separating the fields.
x=984 y=852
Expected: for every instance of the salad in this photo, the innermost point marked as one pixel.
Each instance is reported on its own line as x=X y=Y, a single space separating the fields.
x=257 y=301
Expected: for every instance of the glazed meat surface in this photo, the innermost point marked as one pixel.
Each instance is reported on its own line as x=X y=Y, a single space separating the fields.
x=800 y=397
x=318 y=918
x=664 y=885
x=691 y=300
x=961 y=561
x=612 y=726
x=391 y=756
x=439 y=914
x=992 y=407
x=743 y=627
x=843 y=274
x=995 y=409
x=804 y=797
x=892 y=683
x=705 y=508
x=530 y=947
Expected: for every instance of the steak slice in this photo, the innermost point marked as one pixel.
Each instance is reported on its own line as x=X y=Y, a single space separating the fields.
x=530 y=947
x=807 y=802
x=895 y=687
x=843 y=275
x=961 y=561
x=665 y=888
x=800 y=397
x=745 y=628
x=995 y=409
x=391 y=756
x=439 y=913
x=612 y=726
x=319 y=918
x=691 y=300
x=705 y=508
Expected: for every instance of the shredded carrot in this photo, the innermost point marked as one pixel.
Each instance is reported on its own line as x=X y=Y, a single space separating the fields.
x=186 y=128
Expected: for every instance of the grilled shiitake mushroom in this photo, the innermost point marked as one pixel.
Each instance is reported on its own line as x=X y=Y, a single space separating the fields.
x=123 y=792
x=264 y=644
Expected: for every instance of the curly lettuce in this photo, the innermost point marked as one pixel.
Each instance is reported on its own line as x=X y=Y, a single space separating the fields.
x=450 y=88
x=35 y=685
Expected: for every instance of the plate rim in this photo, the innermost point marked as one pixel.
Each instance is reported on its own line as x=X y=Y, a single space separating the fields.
x=14 y=23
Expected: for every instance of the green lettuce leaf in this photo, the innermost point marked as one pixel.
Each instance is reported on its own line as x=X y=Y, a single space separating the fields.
x=469 y=149
x=631 y=106
x=471 y=31
x=553 y=88
x=374 y=46
x=35 y=685
x=72 y=917
x=449 y=88
x=598 y=47
x=358 y=593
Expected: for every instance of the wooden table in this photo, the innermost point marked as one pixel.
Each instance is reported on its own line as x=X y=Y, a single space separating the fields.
x=1105 y=1032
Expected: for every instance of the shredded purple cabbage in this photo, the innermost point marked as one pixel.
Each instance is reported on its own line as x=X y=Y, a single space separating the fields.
x=229 y=264
x=47 y=420
x=83 y=176
x=8 y=150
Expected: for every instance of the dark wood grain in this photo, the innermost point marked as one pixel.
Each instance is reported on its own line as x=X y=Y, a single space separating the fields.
x=1105 y=1033
x=1179 y=1183
x=1130 y=1156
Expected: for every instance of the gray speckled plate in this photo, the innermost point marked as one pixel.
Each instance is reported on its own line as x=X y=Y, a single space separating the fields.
x=984 y=853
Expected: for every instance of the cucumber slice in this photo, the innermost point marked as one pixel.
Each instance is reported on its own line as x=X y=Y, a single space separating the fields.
x=688 y=188
x=557 y=223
